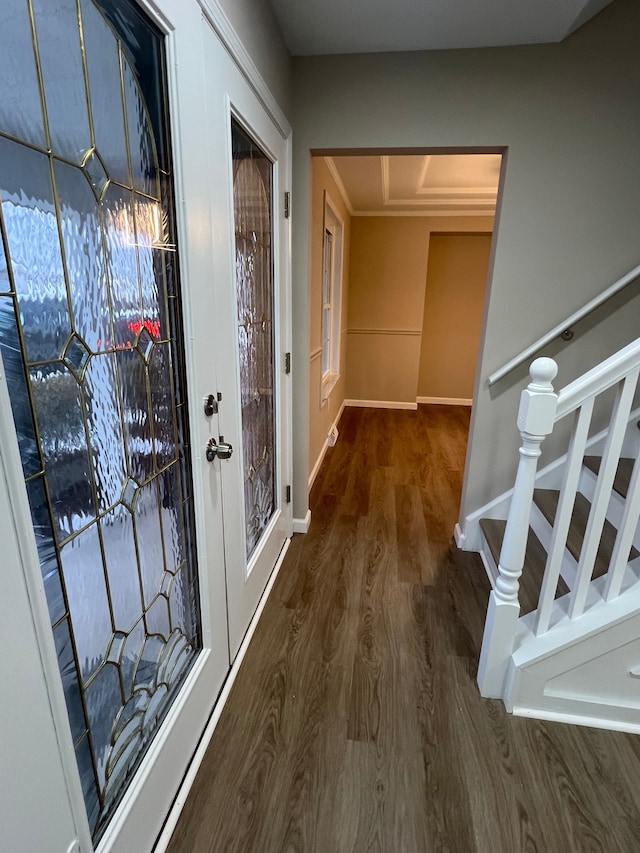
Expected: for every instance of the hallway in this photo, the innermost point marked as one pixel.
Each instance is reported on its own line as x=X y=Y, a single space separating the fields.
x=355 y=723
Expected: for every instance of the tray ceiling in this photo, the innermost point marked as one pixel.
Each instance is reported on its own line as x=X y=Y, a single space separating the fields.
x=425 y=185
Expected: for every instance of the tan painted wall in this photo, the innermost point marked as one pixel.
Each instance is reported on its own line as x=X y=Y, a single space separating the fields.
x=388 y=270
x=453 y=312
x=569 y=216
x=323 y=414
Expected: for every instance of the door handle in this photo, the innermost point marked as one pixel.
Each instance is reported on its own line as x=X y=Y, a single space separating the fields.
x=223 y=450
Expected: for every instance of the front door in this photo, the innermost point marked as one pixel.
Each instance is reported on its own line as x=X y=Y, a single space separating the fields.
x=248 y=182
x=91 y=339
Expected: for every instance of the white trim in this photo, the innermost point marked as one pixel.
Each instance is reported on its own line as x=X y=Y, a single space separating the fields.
x=333 y=170
x=19 y=519
x=325 y=447
x=381 y=404
x=465 y=192
x=245 y=64
x=434 y=201
x=181 y=797
x=448 y=196
x=423 y=171
x=415 y=332
x=426 y=213
x=385 y=169
x=328 y=384
x=301 y=525
x=333 y=225
x=459 y=537
x=445 y=401
x=577 y=719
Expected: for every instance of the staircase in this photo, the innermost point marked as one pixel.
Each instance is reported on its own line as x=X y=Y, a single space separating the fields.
x=562 y=637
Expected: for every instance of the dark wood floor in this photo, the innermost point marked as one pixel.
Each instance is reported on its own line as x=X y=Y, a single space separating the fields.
x=355 y=723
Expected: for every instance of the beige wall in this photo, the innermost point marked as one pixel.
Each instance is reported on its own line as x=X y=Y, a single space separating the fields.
x=323 y=414
x=388 y=270
x=453 y=312
x=388 y=267
x=569 y=117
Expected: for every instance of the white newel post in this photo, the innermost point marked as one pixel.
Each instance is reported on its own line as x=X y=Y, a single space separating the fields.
x=536 y=415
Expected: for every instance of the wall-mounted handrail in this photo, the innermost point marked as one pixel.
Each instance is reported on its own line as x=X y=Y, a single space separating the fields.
x=557 y=331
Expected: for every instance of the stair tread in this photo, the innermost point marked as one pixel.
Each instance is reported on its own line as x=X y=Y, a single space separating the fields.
x=623 y=472
x=534 y=563
x=547 y=502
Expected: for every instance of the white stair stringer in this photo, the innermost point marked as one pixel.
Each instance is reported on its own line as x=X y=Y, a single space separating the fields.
x=584 y=671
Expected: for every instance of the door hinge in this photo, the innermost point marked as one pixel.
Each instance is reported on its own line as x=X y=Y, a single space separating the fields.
x=288 y=494
x=287 y=362
x=287 y=204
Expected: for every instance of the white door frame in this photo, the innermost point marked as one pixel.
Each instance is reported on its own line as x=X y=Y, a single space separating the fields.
x=36 y=749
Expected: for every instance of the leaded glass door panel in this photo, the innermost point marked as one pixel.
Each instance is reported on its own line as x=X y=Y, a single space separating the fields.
x=252 y=302
x=91 y=341
x=252 y=215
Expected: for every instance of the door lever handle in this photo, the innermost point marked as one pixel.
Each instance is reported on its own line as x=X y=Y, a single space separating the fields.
x=223 y=450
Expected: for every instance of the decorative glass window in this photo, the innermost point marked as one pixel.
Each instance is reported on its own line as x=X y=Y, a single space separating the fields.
x=91 y=340
x=252 y=201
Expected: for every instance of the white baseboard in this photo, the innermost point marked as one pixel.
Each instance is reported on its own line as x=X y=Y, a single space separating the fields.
x=381 y=404
x=459 y=536
x=445 y=401
x=321 y=455
x=181 y=797
x=578 y=719
x=301 y=525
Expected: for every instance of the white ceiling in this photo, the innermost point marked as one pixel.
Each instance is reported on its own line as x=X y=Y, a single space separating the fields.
x=364 y=26
x=424 y=185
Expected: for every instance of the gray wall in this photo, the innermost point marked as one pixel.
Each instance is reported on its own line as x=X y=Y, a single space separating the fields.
x=568 y=116
x=257 y=28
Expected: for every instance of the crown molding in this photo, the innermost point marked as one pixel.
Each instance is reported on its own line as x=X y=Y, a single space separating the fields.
x=331 y=166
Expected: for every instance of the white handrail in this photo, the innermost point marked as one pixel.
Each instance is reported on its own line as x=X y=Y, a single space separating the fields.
x=598 y=379
x=578 y=315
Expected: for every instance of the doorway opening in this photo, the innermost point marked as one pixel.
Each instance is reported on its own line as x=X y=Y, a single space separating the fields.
x=418 y=235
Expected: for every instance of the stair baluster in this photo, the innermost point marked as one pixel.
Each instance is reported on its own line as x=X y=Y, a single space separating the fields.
x=536 y=416
x=610 y=458
x=566 y=502
x=624 y=539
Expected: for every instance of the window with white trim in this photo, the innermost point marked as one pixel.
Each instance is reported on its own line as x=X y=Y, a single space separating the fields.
x=331 y=298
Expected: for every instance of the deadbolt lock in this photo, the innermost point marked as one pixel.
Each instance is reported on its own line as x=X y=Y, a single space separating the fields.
x=210 y=405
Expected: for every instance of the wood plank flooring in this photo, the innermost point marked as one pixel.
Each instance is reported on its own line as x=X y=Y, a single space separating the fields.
x=355 y=722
